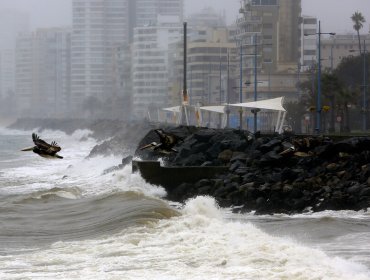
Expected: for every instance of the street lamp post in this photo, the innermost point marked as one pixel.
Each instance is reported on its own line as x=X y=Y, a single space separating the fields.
x=318 y=99
x=241 y=87
x=254 y=111
x=228 y=90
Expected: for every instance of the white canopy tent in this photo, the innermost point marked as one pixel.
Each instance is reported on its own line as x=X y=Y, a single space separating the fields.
x=215 y=109
x=175 y=109
x=178 y=112
x=175 y=113
x=274 y=104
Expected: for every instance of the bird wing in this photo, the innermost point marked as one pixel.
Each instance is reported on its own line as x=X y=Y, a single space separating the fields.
x=41 y=144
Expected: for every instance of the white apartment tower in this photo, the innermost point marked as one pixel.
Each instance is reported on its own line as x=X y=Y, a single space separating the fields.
x=150 y=80
x=100 y=27
x=43 y=72
x=147 y=11
x=11 y=23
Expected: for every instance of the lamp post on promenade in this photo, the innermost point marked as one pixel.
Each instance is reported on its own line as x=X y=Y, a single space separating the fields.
x=241 y=87
x=255 y=110
x=255 y=66
x=228 y=91
x=318 y=99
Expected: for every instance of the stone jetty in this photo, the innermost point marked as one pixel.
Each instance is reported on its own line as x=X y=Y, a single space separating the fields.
x=274 y=173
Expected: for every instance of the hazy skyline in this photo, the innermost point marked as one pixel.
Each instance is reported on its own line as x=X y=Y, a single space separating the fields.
x=50 y=13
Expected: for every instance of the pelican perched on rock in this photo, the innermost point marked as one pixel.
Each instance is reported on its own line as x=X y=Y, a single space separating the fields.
x=44 y=149
x=167 y=142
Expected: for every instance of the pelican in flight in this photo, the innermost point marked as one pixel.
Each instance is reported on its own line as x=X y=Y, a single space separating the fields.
x=44 y=149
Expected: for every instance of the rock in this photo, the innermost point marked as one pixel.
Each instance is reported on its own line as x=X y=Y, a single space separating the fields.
x=204 y=135
x=225 y=155
x=269 y=145
x=126 y=160
x=332 y=167
x=277 y=173
x=365 y=192
x=193 y=160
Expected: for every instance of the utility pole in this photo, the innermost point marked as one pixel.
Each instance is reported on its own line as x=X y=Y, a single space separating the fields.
x=241 y=86
x=227 y=90
x=255 y=83
x=318 y=99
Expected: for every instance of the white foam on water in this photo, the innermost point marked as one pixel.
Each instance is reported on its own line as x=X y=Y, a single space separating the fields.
x=35 y=173
x=74 y=170
x=199 y=244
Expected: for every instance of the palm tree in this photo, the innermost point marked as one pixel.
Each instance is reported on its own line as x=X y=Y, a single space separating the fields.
x=358 y=20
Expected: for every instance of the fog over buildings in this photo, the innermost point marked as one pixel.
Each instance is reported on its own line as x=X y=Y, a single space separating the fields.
x=50 y=13
x=123 y=58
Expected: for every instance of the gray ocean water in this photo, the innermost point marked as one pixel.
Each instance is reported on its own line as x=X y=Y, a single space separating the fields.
x=63 y=219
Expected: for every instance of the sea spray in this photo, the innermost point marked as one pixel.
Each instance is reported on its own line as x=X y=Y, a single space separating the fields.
x=113 y=228
x=199 y=244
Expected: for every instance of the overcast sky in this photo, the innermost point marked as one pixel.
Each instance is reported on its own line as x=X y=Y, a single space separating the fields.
x=334 y=14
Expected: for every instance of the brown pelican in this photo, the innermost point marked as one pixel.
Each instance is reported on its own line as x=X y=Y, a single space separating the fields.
x=44 y=149
x=167 y=142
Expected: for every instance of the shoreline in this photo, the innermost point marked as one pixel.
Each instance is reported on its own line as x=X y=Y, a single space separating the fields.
x=266 y=174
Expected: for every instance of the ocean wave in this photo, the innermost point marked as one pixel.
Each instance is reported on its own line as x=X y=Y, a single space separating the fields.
x=198 y=244
x=60 y=214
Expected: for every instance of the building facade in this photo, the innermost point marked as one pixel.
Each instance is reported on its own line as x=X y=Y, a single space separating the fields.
x=289 y=43
x=101 y=30
x=150 y=72
x=206 y=18
x=308 y=42
x=335 y=48
x=43 y=73
x=268 y=41
x=11 y=23
x=208 y=62
x=147 y=11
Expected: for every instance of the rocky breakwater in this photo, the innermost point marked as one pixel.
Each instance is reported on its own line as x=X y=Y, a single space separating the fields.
x=272 y=173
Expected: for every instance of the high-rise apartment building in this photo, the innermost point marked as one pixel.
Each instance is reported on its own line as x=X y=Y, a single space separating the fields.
x=11 y=23
x=272 y=29
x=150 y=79
x=100 y=27
x=268 y=39
x=257 y=36
x=147 y=11
x=43 y=72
